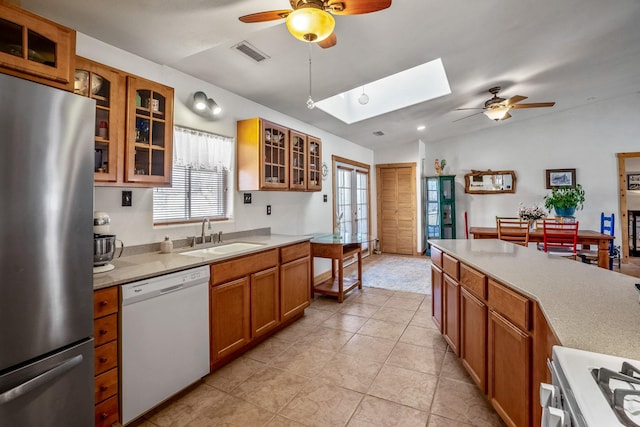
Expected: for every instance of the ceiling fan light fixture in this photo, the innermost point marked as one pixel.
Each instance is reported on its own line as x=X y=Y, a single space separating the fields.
x=497 y=113
x=310 y=24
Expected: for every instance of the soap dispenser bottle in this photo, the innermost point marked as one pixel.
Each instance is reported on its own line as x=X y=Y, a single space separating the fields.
x=166 y=246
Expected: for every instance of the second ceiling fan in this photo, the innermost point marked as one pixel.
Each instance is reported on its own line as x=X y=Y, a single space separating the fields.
x=312 y=20
x=497 y=108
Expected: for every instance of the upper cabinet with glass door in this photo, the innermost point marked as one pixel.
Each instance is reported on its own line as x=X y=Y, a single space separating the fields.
x=149 y=143
x=314 y=169
x=298 y=161
x=35 y=48
x=107 y=87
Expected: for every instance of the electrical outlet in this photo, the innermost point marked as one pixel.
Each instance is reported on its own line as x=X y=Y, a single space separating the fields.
x=247 y=198
x=268 y=209
x=127 y=198
x=324 y=198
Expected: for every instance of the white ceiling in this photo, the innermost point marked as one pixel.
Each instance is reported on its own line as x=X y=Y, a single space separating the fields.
x=568 y=51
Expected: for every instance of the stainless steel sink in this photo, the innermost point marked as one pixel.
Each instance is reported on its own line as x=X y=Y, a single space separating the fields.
x=227 y=249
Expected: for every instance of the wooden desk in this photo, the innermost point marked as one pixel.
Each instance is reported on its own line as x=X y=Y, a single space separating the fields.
x=585 y=238
x=337 y=248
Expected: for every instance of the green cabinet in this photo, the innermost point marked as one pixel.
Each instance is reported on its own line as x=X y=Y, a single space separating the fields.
x=439 y=207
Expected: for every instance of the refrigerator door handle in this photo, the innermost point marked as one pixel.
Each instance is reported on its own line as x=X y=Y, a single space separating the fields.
x=40 y=379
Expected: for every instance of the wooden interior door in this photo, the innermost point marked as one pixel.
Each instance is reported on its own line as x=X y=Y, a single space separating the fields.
x=397 y=208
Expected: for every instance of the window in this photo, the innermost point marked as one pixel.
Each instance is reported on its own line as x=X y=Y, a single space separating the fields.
x=200 y=179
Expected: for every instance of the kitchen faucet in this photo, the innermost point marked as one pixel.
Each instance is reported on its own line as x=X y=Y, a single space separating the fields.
x=205 y=221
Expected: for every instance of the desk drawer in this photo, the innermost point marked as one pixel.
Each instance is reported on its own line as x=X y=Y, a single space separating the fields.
x=107 y=412
x=474 y=281
x=106 y=357
x=450 y=266
x=105 y=329
x=105 y=302
x=510 y=304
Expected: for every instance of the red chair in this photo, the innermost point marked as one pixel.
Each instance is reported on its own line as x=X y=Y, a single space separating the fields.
x=560 y=238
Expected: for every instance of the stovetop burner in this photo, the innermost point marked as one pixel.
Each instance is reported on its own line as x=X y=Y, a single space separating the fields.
x=622 y=391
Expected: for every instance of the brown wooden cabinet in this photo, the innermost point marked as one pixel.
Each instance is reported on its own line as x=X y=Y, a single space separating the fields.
x=35 y=48
x=473 y=337
x=265 y=301
x=509 y=371
x=149 y=137
x=436 y=297
x=294 y=279
x=451 y=302
x=273 y=157
x=230 y=317
x=105 y=331
x=107 y=87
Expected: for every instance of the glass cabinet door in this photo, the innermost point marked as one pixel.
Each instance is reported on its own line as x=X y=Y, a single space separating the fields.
x=150 y=139
x=275 y=165
x=439 y=208
x=106 y=87
x=298 y=160
x=314 y=171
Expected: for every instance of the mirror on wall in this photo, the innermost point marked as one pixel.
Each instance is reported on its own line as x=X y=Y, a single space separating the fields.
x=490 y=182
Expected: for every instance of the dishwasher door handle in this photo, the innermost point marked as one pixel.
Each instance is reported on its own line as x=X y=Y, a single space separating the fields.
x=171 y=288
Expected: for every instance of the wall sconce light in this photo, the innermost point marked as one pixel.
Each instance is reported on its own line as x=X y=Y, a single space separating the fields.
x=205 y=106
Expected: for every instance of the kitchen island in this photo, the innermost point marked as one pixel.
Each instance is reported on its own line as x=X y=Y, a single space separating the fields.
x=502 y=307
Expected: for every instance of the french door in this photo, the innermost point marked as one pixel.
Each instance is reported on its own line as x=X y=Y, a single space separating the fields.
x=352 y=199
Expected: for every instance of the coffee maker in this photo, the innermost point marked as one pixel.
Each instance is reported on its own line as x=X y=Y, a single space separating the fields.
x=104 y=244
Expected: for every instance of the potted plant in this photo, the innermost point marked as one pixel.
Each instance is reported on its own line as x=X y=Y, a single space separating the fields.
x=565 y=200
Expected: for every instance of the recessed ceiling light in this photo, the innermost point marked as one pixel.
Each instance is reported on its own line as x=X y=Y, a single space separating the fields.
x=422 y=127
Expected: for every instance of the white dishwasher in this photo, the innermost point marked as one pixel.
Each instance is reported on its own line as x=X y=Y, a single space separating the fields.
x=165 y=338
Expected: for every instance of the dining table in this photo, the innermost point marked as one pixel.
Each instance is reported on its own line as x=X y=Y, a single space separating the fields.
x=586 y=238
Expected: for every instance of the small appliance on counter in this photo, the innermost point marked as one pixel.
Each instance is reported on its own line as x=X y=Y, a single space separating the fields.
x=104 y=244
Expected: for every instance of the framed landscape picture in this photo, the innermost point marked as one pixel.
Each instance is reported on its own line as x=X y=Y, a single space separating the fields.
x=633 y=181
x=561 y=178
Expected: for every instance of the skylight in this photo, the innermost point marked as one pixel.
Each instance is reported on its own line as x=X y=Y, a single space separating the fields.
x=409 y=87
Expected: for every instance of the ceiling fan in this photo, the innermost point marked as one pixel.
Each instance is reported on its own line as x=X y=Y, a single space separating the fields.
x=497 y=108
x=312 y=21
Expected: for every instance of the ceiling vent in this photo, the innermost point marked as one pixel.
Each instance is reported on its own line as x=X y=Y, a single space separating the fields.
x=246 y=48
x=378 y=133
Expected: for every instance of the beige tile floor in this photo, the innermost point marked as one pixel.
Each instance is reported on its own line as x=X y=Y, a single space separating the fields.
x=374 y=360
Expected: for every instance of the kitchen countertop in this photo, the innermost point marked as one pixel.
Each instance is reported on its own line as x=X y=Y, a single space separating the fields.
x=587 y=307
x=142 y=266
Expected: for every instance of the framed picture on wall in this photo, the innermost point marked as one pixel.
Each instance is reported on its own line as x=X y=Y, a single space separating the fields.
x=561 y=178
x=633 y=181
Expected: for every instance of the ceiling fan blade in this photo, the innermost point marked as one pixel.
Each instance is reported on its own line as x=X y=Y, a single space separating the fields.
x=356 y=7
x=329 y=41
x=461 y=109
x=534 y=105
x=515 y=99
x=270 y=15
x=466 y=117
x=506 y=116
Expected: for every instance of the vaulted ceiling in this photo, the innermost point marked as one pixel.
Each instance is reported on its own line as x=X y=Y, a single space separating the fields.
x=571 y=51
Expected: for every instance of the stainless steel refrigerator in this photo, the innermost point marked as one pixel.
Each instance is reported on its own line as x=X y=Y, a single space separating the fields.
x=46 y=256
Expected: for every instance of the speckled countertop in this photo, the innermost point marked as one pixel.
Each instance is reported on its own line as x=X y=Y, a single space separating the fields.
x=588 y=307
x=137 y=267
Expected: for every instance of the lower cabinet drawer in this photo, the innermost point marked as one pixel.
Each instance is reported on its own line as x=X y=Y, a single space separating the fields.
x=106 y=385
x=105 y=329
x=106 y=357
x=107 y=412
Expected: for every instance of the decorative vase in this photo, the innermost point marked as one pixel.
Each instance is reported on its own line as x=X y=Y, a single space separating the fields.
x=532 y=225
x=565 y=211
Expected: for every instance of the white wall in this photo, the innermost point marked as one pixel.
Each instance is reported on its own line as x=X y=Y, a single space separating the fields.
x=292 y=212
x=412 y=152
x=585 y=138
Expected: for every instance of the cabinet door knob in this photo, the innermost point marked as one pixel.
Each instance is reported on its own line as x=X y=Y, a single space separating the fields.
x=103 y=303
x=104 y=415
x=103 y=332
x=103 y=388
x=103 y=360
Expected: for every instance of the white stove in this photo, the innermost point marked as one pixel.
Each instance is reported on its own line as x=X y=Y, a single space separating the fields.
x=591 y=390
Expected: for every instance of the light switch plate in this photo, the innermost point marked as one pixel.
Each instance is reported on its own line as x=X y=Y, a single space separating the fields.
x=127 y=198
x=268 y=209
x=247 y=198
